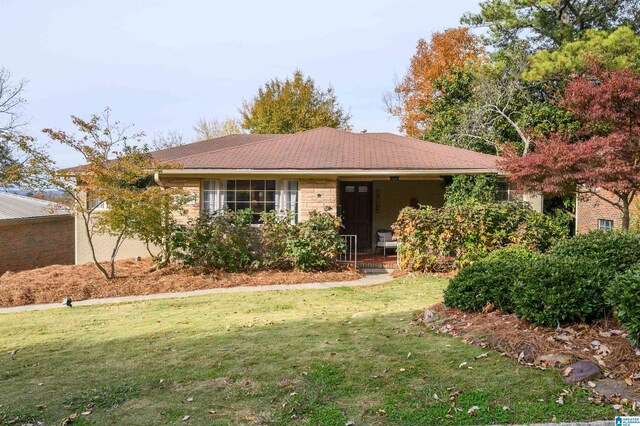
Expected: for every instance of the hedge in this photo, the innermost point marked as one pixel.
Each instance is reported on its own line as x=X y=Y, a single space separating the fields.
x=453 y=236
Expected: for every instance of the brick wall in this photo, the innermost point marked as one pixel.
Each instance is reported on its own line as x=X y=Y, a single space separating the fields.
x=591 y=208
x=316 y=194
x=35 y=243
x=191 y=186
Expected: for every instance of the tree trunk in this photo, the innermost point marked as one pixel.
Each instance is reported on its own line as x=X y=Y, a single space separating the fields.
x=626 y=216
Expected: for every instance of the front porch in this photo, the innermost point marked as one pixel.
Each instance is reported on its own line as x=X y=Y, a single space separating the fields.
x=369 y=206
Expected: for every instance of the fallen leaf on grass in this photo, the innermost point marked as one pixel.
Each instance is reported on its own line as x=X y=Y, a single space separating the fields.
x=567 y=371
x=185 y=417
x=484 y=355
x=67 y=420
x=473 y=410
x=462 y=365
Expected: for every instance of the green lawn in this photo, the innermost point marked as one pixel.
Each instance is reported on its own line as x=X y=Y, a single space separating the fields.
x=308 y=357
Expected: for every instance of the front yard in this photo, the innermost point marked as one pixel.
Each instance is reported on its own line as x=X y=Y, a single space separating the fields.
x=309 y=357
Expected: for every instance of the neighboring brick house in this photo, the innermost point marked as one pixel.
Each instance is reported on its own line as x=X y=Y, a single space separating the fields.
x=34 y=233
x=594 y=213
x=366 y=178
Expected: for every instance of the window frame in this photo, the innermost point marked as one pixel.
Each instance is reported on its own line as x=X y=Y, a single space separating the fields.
x=609 y=226
x=282 y=199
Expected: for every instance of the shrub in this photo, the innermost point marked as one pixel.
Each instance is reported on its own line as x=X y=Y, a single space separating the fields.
x=222 y=240
x=561 y=290
x=316 y=243
x=463 y=189
x=624 y=296
x=489 y=281
x=613 y=250
x=276 y=230
x=454 y=236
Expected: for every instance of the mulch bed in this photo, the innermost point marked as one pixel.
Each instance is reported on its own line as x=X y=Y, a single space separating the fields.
x=79 y=282
x=603 y=343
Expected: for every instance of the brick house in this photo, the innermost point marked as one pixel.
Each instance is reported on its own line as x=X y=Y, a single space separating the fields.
x=366 y=178
x=594 y=213
x=34 y=233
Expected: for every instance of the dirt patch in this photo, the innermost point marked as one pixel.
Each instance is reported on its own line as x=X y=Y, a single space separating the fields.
x=603 y=343
x=79 y=282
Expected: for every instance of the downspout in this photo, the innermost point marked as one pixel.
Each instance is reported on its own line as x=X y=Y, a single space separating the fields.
x=156 y=178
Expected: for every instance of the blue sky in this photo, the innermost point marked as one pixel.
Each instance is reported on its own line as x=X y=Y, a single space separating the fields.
x=163 y=64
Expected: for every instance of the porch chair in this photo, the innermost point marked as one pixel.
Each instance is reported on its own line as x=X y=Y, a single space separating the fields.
x=385 y=241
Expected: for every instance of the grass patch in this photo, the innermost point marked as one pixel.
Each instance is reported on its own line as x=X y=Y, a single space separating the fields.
x=292 y=357
x=104 y=397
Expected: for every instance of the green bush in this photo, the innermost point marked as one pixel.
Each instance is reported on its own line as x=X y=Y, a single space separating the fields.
x=226 y=240
x=454 y=236
x=222 y=240
x=316 y=243
x=614 y=250
x=275 y=231
x=489 y=281
x=561 y=290
x=624 y=296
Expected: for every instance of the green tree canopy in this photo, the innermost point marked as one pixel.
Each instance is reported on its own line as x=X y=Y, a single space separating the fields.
x=293 y=105
x=618 y=49
x=549 y=23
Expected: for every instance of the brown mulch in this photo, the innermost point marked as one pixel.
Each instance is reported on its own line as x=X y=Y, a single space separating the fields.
x=603 y=343
x=53 y=283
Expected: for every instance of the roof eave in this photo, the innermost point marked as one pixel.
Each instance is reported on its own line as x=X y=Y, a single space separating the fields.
x=330 y=172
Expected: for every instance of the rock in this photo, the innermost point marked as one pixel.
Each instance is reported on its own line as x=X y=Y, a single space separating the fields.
x=581 y=371
x=611 y=387
x=554 y=360
x=350 y=423
x=525 y=352
x=428 y=316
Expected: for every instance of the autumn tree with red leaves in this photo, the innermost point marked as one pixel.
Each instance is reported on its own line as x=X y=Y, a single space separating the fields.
x=446 y=52
x=605 y=154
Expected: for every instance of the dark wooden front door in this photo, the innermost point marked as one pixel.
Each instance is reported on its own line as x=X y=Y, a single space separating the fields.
x=356 y=200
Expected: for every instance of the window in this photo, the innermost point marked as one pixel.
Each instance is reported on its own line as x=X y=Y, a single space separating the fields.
x=605 y=224
x=502 y=192
x=210 y=196
x=257 y=195
x=290 y=202
x=96 y=204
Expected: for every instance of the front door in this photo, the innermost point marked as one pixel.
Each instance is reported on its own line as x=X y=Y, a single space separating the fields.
x=356 y=203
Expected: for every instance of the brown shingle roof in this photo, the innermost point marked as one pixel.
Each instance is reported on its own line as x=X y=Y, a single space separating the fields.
x=325 y=149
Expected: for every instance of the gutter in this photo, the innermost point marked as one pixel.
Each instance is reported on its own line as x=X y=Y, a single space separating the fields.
x=324 y=172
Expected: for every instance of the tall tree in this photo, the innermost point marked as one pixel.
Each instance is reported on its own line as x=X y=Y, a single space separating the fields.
x=549 y=23
x=11 y=127
x=293 y=105
x=170 y=139
x=213 y=128
x=605 y=154
x=616 y=49
x=439 y=58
